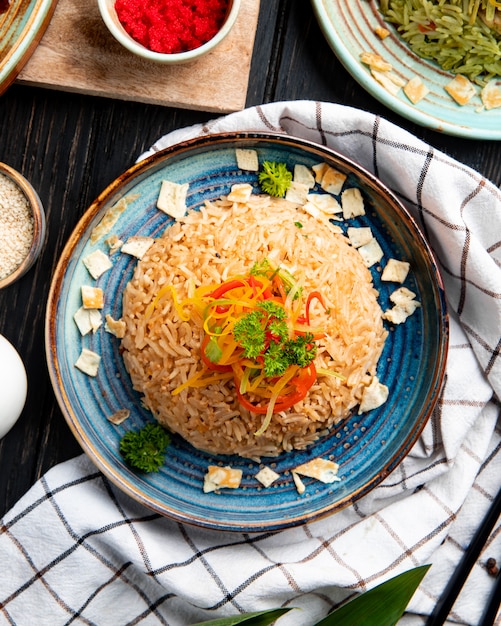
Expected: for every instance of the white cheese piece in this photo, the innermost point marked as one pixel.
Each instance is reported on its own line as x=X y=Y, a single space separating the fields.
x=461 y=89
x=247 y=159
x=240 y=192
x=330 y=179
x=88 y=362
x=87 y=320
x=352 y=203
x=299 y=483
x=266 y=476
x=92 y=297
x=304 y=175
x=395 y=271
x=119 y=416
x=297 y=193
x=405 y=305
x=172 y=198
x=321 y=469
x=97 y=263
x=491 y=95
x=114 y=243
x=221 y=477
x=325 y=202
x=371 y=252
x=359 y=236
x=137 y=246
x=373 y=396
x=115 y=327
x=416 y=90
x=388 y=80
x=375 y=61
x=110 y=218
x=402 y=295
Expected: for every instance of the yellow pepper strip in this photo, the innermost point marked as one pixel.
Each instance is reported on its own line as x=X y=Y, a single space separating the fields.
x=276 y=390
x=197 y=380
x=178 y=305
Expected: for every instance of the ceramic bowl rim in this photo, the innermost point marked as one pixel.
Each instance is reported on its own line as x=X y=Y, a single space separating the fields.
x=116 y=29
x=39 y=224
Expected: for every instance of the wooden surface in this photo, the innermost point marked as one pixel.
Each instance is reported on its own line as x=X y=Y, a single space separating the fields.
x=78 y=53
x=71 y=146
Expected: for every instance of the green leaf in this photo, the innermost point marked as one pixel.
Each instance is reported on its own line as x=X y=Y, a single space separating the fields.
x=382 y=606
x=259 y=618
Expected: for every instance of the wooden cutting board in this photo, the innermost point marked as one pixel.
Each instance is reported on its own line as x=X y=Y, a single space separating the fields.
x=78 y=54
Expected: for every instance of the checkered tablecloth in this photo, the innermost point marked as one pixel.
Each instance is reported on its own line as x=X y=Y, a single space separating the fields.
x=75 y=550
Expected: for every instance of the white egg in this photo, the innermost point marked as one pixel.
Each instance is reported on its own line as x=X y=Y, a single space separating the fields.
x=13 y=386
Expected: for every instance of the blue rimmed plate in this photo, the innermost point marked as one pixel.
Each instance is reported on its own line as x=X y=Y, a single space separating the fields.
x=22 y=25
x=349 y=28
x=367 y=448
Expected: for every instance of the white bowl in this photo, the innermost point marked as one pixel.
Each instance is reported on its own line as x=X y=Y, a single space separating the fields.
x=110 y=18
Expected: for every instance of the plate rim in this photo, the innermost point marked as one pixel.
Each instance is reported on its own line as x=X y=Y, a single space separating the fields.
x=112 y=473
x=40 y=13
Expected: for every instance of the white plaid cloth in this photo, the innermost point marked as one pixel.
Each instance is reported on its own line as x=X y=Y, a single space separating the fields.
x=75 y=550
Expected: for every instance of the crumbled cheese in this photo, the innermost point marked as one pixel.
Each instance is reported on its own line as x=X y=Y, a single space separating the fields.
x=172 y=199
x=87 y=320
x=297 y=193
x=92 y=297
x=388 y=80
x=115 y=327
x=299 y=483
x=381 y=32
x=359 y=236
x=461 y=89
x=329 y=179
x=371 y=252
x=404 y=305
x=221 y=477
x=137 y=246
x=88 y=362
x=491 y=95
x=97 y=263
x=247 y=159
x=395 y=271
x=325 y=203
x=119 y=416
x=114 y=243
x=352 y=203
x=375 y=61
x=303 y=174
x=320 y=469
x=240 y=192
x=373 y=396
x=266 y=476
x=416 y=90
x=110 y=218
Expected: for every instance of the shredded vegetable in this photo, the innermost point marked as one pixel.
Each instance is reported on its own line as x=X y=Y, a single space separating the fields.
x=256 y=333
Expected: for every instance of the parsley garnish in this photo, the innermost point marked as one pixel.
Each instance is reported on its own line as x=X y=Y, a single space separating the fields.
x=144 y=449
x=275 y=178
x=264 y=333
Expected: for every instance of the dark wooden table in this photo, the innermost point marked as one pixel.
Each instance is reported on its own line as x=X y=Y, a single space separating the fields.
x=71 y=147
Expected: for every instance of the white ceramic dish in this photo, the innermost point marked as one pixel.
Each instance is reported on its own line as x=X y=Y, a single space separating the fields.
x=110 y=18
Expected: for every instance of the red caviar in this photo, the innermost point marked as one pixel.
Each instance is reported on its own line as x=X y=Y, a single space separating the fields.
x=171 y=26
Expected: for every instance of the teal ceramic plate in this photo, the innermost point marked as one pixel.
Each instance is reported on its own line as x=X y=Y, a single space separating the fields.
x=367 y=448
x=22 y=25
x=349 y=27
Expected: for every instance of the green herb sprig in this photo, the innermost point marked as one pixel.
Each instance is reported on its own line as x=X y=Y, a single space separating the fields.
x=145 y=449
x=275 y=178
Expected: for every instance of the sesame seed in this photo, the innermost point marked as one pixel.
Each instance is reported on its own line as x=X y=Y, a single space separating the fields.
x=16 y=226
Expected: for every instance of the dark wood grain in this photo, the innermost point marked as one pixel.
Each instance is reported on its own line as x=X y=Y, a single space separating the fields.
x=71 y=147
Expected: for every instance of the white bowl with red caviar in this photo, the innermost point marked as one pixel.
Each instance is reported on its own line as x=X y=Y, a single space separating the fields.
x=169 y=31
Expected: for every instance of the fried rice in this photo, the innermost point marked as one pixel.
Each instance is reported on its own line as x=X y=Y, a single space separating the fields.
x=161 y=351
